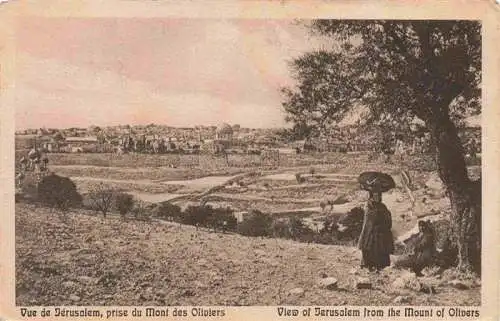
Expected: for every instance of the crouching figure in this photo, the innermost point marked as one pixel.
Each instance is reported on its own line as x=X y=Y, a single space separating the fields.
x=424 y=254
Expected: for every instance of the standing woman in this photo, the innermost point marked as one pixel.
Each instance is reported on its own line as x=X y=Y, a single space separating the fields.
x=376 y=241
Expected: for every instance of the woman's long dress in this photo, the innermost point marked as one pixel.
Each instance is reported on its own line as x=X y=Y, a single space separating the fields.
x=376 y=241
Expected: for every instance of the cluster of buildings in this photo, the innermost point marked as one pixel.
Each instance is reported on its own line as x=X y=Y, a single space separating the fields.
x=148 y=139
x=217 y=139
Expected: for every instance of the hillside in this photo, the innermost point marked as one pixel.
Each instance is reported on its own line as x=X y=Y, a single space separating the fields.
x=87 y=260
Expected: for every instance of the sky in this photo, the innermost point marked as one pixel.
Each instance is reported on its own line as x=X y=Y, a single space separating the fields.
x=77 y=72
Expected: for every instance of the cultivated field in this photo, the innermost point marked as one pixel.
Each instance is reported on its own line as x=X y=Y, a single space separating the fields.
x=270 y=189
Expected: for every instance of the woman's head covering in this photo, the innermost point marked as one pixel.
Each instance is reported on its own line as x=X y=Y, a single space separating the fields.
x=376 y=182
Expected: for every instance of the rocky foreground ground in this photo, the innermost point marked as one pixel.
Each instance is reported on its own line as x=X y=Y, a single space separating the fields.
x=82 y=259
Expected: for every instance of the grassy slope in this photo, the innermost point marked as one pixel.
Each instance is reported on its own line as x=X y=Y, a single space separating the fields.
x=112 y=262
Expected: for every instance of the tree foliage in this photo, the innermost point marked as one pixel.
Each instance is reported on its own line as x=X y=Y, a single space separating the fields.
x=142 y=212
x=124 y=203
x=196 y=215
x=223 y=219
x=324 y=94
x=207 y=216
x=299 y=230
x=101 y=198
x=398 y=70
x=57 y=191
x=168 y=211
x=258 y=224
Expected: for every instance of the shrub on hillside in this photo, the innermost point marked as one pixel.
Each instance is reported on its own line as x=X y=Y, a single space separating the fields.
x=223 y=219
x=258 y=224
x=29 y=188
x=58 y=191
x=167 y=211
x=299 y=231
x=350 y=224
x=281 y=229
x=299 y=178
x=330 y=225
x=141 y=212
x=293 y=228
x=101 y=198
x=328 y=234
x=124 y=203
x=205 y=215
x=196 y=215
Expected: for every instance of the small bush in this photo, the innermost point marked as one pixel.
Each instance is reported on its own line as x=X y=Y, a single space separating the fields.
x=222 y=219
x=57 y=191
x=281 y=229
x=299 y=230
x=124 y=203
x=141 y=212
x=101 y=198
x=328 y=234
x=29 y=187
x=197 y=215
x=258 y=224
x=292 y=228
x=330 y=225
x=352 y=223
x=167 y=211
x=299 y=178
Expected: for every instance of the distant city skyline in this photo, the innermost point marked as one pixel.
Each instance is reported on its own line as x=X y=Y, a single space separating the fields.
x=145 y=125
x=77 y=72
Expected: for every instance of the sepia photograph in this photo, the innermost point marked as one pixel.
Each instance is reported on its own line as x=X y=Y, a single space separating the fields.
x=216 y=162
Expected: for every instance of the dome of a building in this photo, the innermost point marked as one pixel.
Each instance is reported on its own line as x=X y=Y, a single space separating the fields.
x=224 y=129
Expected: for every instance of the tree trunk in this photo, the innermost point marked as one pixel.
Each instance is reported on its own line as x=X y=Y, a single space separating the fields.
x=464 y=195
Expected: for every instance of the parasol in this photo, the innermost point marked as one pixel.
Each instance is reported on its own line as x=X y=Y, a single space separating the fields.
x=376 y=181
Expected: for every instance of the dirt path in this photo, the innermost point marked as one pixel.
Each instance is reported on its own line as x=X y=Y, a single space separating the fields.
x=116 y=168
x=192 y=187
x=242 y=197
x=337 y=209
x=290 y=176
x=203 y=182
x=159 y=197
x=110 y=180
